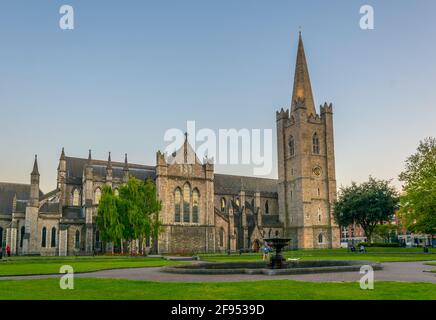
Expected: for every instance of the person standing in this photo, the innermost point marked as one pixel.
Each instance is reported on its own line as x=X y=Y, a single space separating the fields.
x=266 y=251
x=8 y=250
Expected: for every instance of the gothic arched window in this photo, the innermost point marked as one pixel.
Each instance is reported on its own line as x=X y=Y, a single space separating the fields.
x=53 y=237
x=315 y=144
x=177 y=204
x=97 y=196
x=186 y=203
x=76 y=197
x=195 y=203
x=22 y=232
x=44 y=237
x=266 y=207
x=320 y=238
x=223 y=204
x=291 y=144
x=1 y=237
x=77 y=239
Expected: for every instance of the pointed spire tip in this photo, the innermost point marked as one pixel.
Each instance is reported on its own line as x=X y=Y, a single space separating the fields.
x=35 y=170
x=302 y=96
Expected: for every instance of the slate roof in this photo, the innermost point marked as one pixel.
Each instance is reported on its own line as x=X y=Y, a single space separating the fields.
x=75 y=167
x=50 y=194
x=230 y=184
x=21 y=206
x=50 y=207
x=7 y=192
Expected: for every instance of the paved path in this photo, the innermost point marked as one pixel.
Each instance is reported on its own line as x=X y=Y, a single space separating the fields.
x=392 y=271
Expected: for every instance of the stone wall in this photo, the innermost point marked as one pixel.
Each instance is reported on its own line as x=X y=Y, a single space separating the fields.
x=187 y=239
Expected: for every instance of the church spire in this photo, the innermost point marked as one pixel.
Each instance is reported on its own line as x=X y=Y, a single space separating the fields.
x=126 y=163
x=185 y=149
x=109 y=162
x=62 y=154
x=302 y=94
x=126 y=169
x=35 y=171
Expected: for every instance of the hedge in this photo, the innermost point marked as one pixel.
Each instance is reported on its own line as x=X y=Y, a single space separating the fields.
x=380 y=244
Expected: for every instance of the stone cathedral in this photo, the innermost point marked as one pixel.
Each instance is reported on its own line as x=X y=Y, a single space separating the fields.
x=202 y=211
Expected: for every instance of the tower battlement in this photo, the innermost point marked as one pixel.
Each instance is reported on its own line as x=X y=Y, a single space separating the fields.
x=282 y=114
x=326 y=108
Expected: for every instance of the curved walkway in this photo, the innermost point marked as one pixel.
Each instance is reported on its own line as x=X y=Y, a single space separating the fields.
x=392 y=271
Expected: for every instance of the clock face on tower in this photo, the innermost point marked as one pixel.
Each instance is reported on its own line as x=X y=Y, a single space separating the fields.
x=317 y=171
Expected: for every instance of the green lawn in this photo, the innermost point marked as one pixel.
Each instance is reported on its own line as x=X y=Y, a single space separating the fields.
x=44 y=265
x=89 y=288
x=432 y=264
x=372 y=254
x=368 y=257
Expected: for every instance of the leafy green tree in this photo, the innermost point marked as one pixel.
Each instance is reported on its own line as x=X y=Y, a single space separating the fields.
x=108 y=220
x=418 y=202
x=134 y=208
x=154 y=206
x=385 y=231
x=367 y=204
x=132 y=215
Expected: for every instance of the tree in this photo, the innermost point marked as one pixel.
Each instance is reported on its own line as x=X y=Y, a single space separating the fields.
x=418 y=202
x=154 y=206
x=367 y=204
x=385 y=231
x=134 y=209
x=132 y=215
x=108 y=220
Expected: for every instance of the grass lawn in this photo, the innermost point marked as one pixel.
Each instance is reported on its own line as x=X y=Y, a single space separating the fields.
x=368 y=257
x=89 y=288
x=44 y=265
x=432 y=264
x=372 y=254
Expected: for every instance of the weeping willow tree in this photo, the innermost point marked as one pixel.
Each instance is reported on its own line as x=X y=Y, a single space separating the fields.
x=154 y=206
x=132 y=215
x=109 y=221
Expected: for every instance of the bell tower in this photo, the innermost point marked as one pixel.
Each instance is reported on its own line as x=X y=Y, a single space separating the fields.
x=306 y=165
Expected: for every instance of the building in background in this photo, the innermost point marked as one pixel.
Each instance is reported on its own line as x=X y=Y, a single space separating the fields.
x=354 y=234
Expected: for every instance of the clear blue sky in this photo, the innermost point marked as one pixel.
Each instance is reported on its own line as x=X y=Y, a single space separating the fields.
x=133 y=69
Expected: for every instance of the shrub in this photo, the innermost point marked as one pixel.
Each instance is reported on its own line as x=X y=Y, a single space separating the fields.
x=380 y=244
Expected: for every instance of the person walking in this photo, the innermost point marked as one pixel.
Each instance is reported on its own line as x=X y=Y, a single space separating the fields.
x=266 y=251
